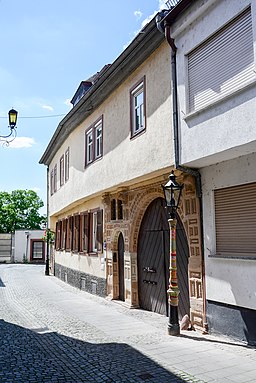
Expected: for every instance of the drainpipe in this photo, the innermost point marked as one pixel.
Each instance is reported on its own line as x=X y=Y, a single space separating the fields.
x=175 y=118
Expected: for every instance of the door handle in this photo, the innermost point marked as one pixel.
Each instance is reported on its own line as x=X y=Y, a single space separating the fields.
x=149 y=282
x=149 y=270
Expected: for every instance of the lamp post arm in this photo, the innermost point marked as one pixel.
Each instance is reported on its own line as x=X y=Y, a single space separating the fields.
x=5 y=140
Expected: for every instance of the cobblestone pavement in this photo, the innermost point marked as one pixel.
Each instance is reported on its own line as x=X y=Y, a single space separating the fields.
x=51 y=332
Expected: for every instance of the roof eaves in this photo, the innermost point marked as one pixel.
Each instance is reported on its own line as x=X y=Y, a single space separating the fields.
x=137 y=51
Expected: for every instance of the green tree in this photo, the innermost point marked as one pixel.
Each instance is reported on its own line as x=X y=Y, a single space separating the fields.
x=20 y=210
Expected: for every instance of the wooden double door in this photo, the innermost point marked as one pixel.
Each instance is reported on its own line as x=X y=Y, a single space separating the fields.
x=154 y=259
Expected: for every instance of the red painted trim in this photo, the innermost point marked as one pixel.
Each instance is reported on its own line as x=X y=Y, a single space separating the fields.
x=36 y=260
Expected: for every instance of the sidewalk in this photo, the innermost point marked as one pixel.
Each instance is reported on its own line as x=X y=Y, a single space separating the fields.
x=46 y=304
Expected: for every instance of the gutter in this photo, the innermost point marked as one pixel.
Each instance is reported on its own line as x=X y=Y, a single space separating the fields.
x=164 y=20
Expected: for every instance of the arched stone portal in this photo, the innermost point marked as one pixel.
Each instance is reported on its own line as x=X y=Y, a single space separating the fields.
x=154 y=261
x=135 y=204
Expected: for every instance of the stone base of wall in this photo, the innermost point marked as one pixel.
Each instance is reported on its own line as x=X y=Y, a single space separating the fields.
x=232 y=321
x=86 y=282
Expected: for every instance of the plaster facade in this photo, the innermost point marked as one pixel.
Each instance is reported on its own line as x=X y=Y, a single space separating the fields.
x=124 y=159
x=219 y=123
x=220 y=140
x=22 y=243
x=224 y=275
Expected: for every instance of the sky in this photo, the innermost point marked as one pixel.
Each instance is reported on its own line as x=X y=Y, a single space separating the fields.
x=47 y=48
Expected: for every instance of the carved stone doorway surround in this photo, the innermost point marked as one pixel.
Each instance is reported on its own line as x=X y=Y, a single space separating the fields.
x=135 y=202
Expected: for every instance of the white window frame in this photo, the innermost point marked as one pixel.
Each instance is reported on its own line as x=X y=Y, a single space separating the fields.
x=98 y=139
x=62 y=166
x=66 y=165
x=89 y=146
x=137 y=105
x=94 y=148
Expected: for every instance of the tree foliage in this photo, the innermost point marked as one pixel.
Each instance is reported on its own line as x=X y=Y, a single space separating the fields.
x=20 y=210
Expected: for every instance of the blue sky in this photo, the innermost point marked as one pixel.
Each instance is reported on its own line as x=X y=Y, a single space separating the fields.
x=47 y=48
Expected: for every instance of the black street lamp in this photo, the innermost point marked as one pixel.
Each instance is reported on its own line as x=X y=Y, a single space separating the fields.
x=13 y=114
x=172 y=192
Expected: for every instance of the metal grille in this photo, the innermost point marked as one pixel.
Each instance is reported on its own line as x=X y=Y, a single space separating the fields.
x=235 y=220
x=171 y=3
x=222 y=64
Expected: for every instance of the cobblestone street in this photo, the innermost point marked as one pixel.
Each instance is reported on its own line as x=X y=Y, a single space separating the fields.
x=51 y=332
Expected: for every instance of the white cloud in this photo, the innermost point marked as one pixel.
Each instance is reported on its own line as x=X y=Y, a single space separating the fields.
x=67 y=102
x=48 y=107
x=22 y=142
x=161 y=5
x=138 y=14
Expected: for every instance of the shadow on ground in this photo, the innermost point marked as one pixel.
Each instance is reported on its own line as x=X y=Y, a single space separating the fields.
x=40 y=356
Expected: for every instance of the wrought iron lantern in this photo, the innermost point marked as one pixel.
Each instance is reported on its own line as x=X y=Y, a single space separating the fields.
x=172 y=193
x=13 y=114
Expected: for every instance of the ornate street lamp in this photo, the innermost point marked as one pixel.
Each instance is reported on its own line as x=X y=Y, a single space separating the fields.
x=172 y=192
x=13 y=114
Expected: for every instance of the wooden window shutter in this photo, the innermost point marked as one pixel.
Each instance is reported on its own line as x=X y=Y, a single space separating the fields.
x=70 y=224
x=215 y=69
x=64 y=234
x=68 y=236
x=235 y=220
x=99 y=230
x=85 y=232
x=76 y=227
x=58 y=235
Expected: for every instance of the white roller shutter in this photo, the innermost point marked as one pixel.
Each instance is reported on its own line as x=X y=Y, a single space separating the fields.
x=222 y=64
x=235 y=220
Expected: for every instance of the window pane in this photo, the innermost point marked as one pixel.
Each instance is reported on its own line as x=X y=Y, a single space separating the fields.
x=55 y=179
x=89 y=143
x=62 y=171
x=137 y=105
x=37 y=250
x=139 y=99
x=67 y=165
x=98 y=144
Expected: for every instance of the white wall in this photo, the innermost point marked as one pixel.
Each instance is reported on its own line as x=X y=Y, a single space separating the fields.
x=227 y=129
x=22 y=243
x=230 y=281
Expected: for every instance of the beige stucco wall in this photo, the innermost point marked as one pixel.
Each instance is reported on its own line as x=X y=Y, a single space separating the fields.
x=124 y=160
x=87 y=264
x=91 y=264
